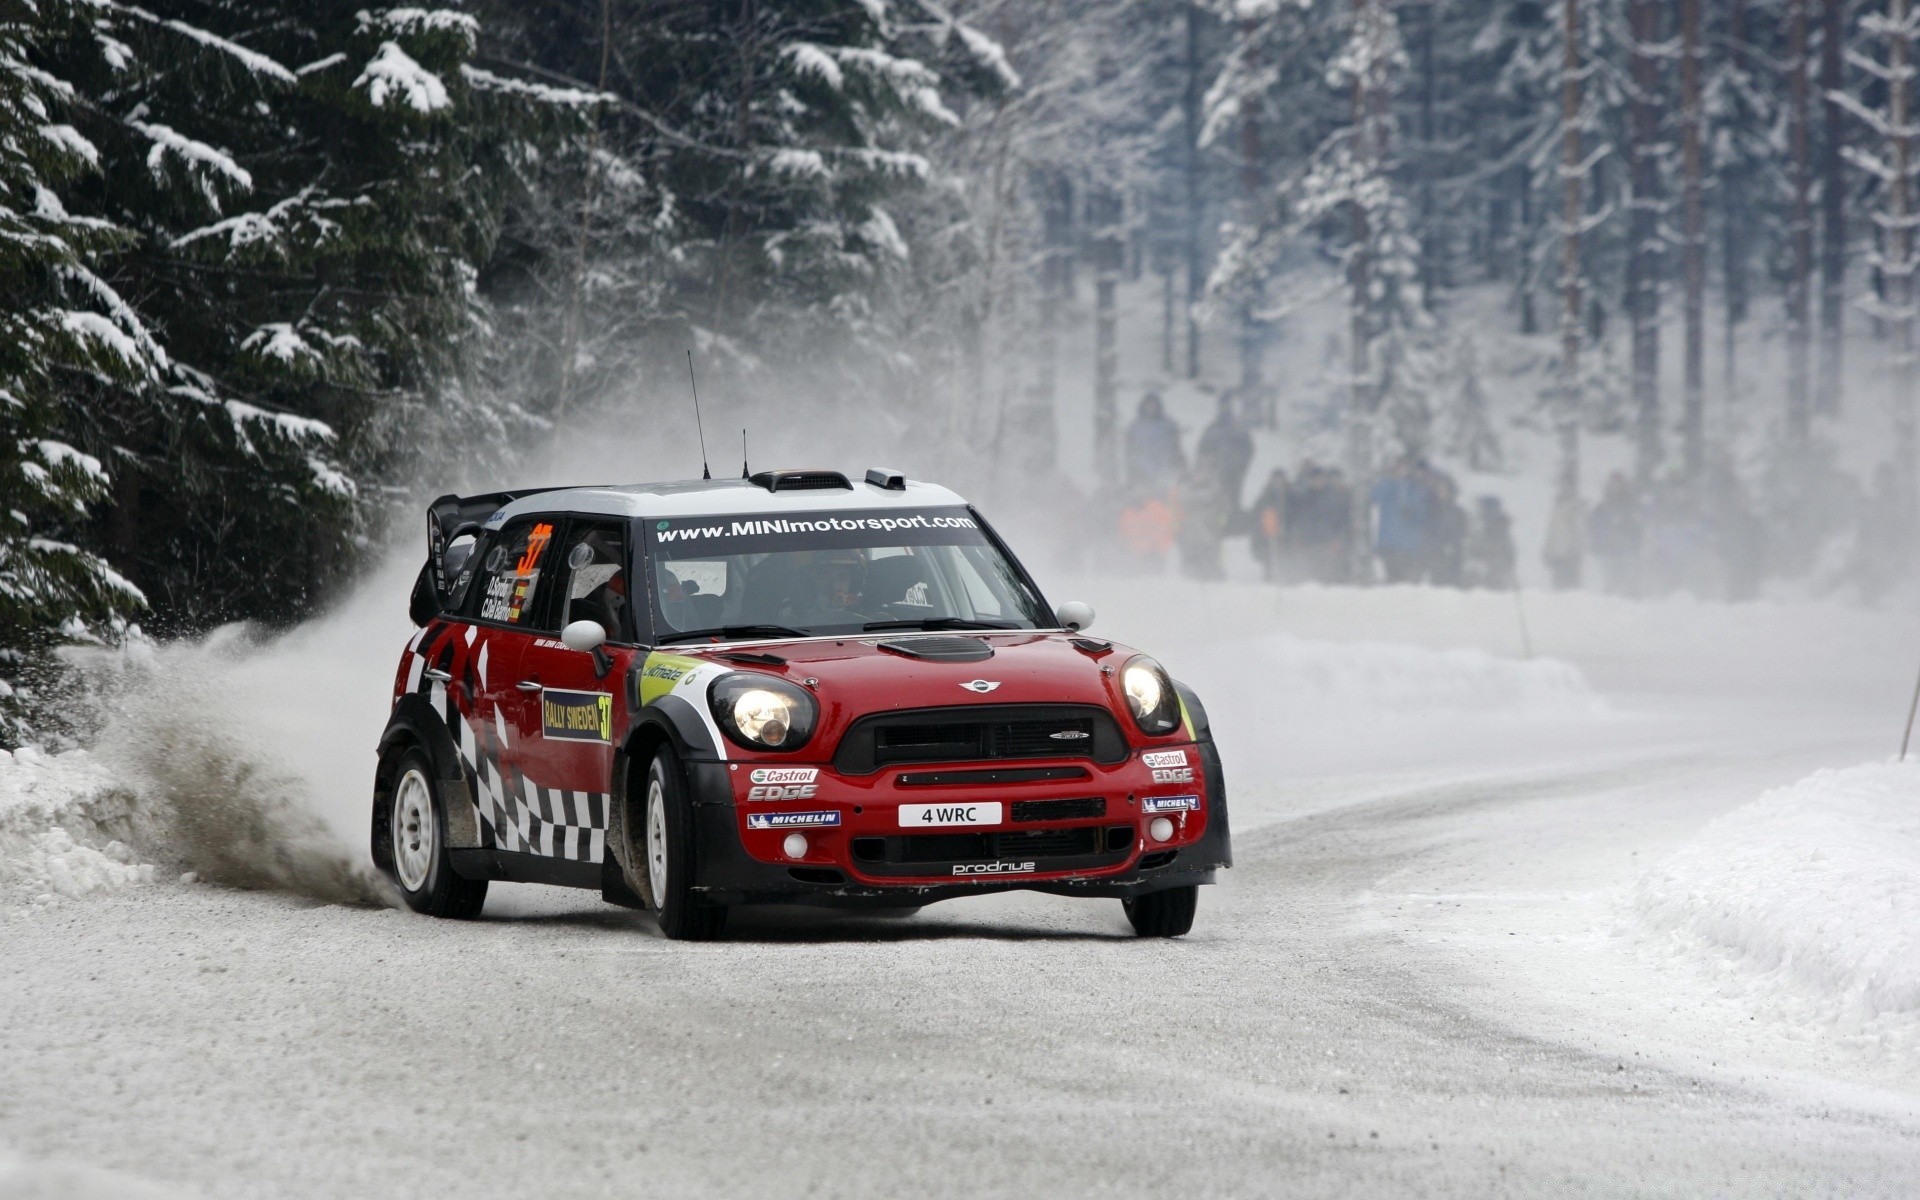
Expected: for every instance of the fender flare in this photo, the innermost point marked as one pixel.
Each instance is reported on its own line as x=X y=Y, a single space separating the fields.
x=415 y=723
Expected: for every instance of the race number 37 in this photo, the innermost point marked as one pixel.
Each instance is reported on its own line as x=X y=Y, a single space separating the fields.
x=913 y=816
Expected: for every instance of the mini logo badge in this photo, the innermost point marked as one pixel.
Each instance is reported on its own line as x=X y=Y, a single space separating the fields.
x=1069 y=735
x=983 y=686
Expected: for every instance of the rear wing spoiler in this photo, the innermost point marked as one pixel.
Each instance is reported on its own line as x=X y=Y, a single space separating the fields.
x=448 y=518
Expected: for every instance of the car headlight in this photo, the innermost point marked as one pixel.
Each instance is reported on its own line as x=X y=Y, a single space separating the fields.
x=1150 y=694
x=762 y=712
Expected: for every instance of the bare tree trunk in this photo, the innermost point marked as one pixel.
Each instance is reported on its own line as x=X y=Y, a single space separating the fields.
x=1360 y=389
x=1833 y=212
x=1733 y=194
x=1643 y=254
x=1252 y=329
x=1432 y=244
x=1166 y=320
x=1105 y=214
x=1693 y=118
x=576 y=284
x=1572 y=213
x=1196 y=266
x=1900 y=260
x=1800 y=232
x=742 y=136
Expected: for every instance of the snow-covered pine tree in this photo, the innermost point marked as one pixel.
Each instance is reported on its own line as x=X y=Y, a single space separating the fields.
x=1890 y=159
x=747 y=187
x=313 y=187
x=60 y=323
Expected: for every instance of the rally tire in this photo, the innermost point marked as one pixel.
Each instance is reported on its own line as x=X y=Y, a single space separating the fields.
x=669 y=864
x=417 y=844
x=1163 y=914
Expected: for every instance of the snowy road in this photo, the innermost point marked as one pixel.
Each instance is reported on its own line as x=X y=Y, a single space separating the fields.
x=1420 y=978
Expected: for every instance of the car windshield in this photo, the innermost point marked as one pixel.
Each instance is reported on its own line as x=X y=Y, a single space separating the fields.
x=805 y=574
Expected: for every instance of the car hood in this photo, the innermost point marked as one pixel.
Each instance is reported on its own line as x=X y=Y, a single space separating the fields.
x=881 y=672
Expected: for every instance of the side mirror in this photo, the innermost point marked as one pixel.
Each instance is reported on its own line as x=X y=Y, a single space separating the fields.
x=1074 y=615
x=584 y=636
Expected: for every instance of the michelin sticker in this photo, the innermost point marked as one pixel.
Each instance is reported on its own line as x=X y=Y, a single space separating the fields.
x=576 y=716
x=791 y=820
x=1164 y=804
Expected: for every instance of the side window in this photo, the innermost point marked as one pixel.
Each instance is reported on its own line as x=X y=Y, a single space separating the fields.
x=508 y=584
x=595 y=562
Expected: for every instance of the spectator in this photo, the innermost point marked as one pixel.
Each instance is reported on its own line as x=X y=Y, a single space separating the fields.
x=1446 y=532
x=1399 y=501
x=1566 y=538
x=1319 y=524
x=1224 y=453
x=1615 y=531
x=1270 y=525
x=1490 y=554
x=1154 y=459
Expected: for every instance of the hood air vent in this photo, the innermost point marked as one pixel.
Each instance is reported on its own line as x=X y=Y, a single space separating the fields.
x=941 y=649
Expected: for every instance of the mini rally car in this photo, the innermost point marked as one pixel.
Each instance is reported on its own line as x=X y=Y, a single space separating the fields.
x=790 y=689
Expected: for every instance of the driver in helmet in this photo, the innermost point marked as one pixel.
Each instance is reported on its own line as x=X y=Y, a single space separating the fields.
x=831 y=586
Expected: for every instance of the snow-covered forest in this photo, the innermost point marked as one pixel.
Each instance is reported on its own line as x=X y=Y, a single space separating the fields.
x=275 y=270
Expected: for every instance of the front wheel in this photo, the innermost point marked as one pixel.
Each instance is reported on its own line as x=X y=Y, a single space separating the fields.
x=417 y=832
x=668 y=846
x=1164 y=914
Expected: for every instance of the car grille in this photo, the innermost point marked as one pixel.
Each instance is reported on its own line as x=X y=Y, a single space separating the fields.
x=942 y=848
x=1059 y=810
x=973 y=733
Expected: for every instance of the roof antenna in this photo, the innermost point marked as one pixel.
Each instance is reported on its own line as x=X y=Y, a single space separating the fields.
x=743 y=454
x=705 y=472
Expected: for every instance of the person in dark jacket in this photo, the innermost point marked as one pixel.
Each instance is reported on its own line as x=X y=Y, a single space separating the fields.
x=1400 y=505
x=1615 y=532
x=1155 y=461
x=1270 y=525
x=1490 y=553
x=1225 y=452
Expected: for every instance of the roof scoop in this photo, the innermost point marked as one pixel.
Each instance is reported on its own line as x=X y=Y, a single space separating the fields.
x=941 y=649
x=800 y=480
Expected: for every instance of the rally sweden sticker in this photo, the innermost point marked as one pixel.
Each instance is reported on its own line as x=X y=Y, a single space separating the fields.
x=785 y=775
x=576 y=716
x=1165 y=758
x=1161 y=804
x=791 y=820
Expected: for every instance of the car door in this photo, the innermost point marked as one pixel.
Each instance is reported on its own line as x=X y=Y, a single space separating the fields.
x=512 y=595
x=567 y=760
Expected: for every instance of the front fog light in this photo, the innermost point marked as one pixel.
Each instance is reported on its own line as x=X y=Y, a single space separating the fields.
x=1159 y=829
x=796 y=844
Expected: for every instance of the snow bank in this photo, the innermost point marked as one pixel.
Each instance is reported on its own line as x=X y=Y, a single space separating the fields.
x=1389 y=678
x=1306 y=679
x=65 y=827
x=1809 y=900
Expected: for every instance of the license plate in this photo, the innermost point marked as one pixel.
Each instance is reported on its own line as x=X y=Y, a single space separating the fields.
x=921 y=816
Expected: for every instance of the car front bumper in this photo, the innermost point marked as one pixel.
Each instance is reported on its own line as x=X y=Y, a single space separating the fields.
x=865 y=858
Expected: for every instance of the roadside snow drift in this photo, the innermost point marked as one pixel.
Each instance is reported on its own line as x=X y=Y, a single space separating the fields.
x=66 y=824
x=1811 y=897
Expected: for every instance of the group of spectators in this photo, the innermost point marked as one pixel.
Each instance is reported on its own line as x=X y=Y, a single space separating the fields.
x=1301 y=527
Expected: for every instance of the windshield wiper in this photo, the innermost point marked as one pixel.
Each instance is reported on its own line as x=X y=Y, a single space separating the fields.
x=938 y=623
x=737 y=631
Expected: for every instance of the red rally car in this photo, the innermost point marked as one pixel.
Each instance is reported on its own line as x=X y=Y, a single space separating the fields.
x=785 y=689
